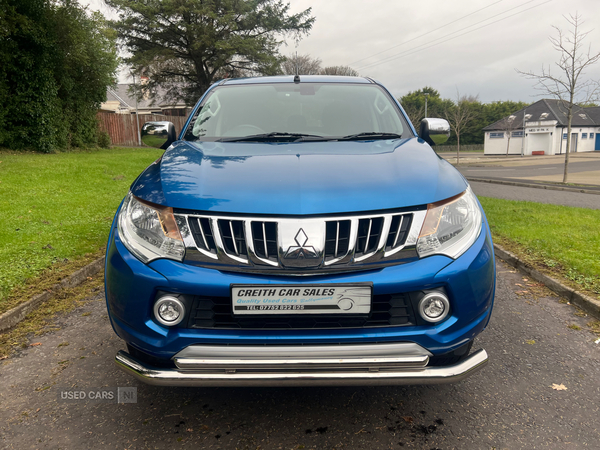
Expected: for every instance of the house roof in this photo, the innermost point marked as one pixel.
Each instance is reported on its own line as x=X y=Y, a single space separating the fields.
x=550 y=109
x=126 y=98
x=594 y=113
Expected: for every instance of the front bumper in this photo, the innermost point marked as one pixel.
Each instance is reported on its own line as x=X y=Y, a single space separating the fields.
x=131 y=288
x=346 y=365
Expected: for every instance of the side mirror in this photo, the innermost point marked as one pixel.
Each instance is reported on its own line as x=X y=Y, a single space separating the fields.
x=434 y=131
x=158 y=134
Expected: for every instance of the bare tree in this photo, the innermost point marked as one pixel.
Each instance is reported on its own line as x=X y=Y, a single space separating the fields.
x=415 y=113
x=459 y=115
x=301 y=64
x=569 y=86
x=507 y=125
x=339 y=70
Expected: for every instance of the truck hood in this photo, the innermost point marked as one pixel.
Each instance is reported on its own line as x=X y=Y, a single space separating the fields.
x=302 y=178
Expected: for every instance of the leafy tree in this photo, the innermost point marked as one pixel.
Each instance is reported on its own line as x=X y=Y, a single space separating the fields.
x=28 y=87
x=56 y=62
x=301 y=64
x=569 y=85
x=85 y=63
x=495 y=111
x=183 y=46
x=482 y=114
x=414 y=104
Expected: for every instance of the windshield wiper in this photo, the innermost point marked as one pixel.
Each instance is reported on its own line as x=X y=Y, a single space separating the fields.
x=275 y=136
x=367 y=135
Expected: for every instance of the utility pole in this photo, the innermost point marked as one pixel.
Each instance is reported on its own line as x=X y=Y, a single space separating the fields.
x=523 y=137
x=426 y=95
x=137 y=117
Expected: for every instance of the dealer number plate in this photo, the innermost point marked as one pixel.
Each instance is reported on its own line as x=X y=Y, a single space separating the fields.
x=302 y=299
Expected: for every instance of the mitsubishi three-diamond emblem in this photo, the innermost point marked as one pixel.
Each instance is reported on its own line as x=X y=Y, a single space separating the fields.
x=301 y=251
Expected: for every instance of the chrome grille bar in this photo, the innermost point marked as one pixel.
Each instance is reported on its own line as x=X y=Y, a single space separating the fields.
x=398 y=232
x=265 y=241
x=368 y=235
x=383 y=244
x=337 y=238
x=233 y=238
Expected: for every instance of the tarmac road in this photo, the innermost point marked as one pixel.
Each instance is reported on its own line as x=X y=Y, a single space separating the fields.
x=508 y=192
x=509 y=405
x=526 y=171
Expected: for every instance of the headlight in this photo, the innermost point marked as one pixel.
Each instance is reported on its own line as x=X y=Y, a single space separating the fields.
x=149 y=231
x=451 y=226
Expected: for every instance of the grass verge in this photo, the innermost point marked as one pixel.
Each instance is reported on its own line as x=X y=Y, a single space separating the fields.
x=559 y=240
x=57 y=210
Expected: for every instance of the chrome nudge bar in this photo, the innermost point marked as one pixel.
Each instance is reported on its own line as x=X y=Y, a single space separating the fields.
x=300 y=245
x=344 y=365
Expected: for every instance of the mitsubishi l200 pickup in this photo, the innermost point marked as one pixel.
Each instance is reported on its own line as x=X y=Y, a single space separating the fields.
x=299 y=231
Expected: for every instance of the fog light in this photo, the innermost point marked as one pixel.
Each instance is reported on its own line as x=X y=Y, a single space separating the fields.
x=434 y=307
x=169 y=310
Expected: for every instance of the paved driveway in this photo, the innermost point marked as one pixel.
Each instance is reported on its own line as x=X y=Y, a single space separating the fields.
x=509 y=405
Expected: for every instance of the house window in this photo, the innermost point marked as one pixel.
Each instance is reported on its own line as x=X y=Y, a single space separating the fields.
x=564 y=135
x=591 y=135
x=496 y=135
x=583 y=135
x=517 y=134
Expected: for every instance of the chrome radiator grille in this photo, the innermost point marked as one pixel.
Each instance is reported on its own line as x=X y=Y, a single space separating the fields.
x=300 y=246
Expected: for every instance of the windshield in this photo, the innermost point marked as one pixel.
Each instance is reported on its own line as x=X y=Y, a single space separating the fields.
x=308 y=111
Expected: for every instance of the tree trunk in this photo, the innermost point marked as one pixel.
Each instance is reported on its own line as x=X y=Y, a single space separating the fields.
x=457 y=148
x=508 y=144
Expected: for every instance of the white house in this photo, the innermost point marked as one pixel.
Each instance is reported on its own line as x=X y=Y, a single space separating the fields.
x=545 y=125
x=120 y=99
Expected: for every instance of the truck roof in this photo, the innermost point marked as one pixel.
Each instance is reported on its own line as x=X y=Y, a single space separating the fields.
x=303 y=78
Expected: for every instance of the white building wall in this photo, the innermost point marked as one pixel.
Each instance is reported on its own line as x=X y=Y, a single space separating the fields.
x=540 y=136
x=556 y=141
x=539 y=142
x=497 y=146
x=586 y=144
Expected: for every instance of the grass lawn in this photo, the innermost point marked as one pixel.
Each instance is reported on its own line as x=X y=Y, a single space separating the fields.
x=57 y=210
x=59 y=206
x=558 y=239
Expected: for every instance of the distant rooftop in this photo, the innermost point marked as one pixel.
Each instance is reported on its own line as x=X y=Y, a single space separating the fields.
x=126 y=98
x=550 y=109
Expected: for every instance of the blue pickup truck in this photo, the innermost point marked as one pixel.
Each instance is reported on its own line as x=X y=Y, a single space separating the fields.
x=299 y=231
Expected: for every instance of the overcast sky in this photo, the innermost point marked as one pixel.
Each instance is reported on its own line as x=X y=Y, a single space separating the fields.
x=470 y=45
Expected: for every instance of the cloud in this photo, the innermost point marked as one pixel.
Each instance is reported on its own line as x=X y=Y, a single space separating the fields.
x=476 y=61
x=445 y=55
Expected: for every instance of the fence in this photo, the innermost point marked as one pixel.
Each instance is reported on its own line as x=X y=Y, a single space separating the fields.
x=463 y=148
x=122 y=128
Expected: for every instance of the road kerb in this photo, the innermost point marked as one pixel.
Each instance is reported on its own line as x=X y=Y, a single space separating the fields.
x=585 y=302
x=535 y=186
x=12 y=317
